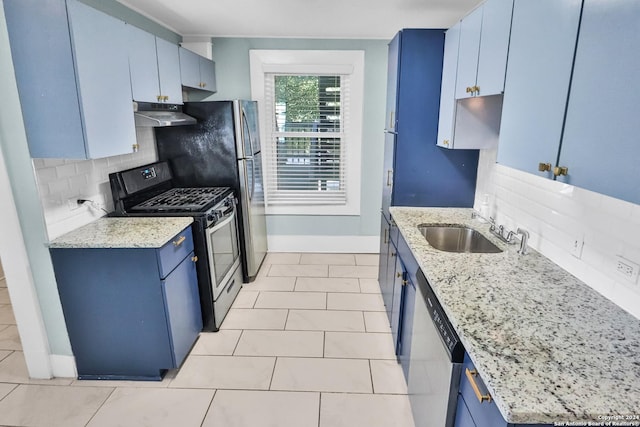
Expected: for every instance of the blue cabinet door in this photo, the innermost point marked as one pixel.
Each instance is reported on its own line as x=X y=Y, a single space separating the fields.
x=388 y=170
x=45 y=77
x=484 y=413
x=189 y=68
x=169 y=71
x=600 y=142
x=180 y=291
x=207 y=74
x=468 y=53
x=143 y=65
x=494 y=46
x=463 y=417
x=386 y=262
x=393 y=62
x=543 y=40
x=484 y=45
x=447 y=116
x=102 y=72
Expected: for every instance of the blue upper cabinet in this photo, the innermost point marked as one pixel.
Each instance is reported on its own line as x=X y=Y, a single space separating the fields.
x=154 y=65
x=543 y=40
x=143 y=65
x=494 y=46
x=196 y=71
x=484 y=45
x=207 y=74
x=600 y=144
x=423 y=174
x=169 y=71
x=447 y=91
x=392 y=83
x=469 y=49
x=102 y=72
x=189 y=68
x=81 y=106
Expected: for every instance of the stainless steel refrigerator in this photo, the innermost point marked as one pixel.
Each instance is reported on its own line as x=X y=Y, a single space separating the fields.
x=223 y=149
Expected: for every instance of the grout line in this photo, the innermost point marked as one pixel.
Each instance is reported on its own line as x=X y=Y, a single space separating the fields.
x=235 y=347
x=11 y=391
x=273 y=372
x=286 y=320
x=324 y=343
x=101 y=405
x=364 y=321
x=373 y=390
x=319 y=408
x=215 y=391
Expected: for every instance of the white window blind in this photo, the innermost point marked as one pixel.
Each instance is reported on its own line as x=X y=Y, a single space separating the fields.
x=306 y=121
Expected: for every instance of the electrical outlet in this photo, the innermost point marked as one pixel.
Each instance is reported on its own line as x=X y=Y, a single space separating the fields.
x=627 y=269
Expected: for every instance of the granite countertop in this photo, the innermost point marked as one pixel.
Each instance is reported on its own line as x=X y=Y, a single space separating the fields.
x=548 y=347
x=130 y=232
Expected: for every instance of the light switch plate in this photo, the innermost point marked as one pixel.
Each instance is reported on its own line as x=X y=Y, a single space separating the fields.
x=576 y=249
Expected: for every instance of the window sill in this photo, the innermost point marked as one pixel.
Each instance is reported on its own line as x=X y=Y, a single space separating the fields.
x=313 y=210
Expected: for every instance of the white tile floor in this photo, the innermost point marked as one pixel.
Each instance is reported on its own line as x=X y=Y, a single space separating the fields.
x=306 y=345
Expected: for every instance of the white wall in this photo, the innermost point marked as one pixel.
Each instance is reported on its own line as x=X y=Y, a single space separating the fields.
x=61 y=180
x=557 y=215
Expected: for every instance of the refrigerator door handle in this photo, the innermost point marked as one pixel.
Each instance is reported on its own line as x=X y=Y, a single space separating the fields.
x=254 y=142
x=251 y=175
x=245 y=125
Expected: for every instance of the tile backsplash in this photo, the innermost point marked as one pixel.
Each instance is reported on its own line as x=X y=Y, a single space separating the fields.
x=62 y=180
x=579 y=230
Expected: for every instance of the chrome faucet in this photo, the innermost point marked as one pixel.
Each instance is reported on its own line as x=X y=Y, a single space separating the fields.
x=523 y=241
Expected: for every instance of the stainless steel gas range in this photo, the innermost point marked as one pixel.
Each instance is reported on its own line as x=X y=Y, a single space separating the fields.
x=149 y=191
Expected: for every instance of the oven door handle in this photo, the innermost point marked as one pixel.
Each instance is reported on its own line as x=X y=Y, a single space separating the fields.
x=219 y=225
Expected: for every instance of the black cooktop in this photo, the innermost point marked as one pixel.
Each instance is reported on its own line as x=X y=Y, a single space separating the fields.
x=187 y=199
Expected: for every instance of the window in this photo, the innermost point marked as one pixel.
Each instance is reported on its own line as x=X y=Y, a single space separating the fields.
x=311 y=117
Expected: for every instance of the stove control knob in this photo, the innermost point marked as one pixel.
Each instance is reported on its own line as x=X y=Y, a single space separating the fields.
x=212 y=217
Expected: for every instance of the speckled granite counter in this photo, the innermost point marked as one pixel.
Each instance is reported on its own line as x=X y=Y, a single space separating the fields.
x=548 y=347
x=142 y=232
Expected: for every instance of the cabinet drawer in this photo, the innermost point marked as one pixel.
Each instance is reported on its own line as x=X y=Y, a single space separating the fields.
x=486 y=413
x=170 y=255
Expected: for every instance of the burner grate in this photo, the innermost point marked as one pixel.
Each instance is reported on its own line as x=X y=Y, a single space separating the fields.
x=183 y=199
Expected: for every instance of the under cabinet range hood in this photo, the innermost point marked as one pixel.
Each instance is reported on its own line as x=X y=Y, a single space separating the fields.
x=160 y=115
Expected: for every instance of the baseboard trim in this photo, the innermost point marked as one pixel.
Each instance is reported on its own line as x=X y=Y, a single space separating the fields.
x=324 y=244
x=63 y=366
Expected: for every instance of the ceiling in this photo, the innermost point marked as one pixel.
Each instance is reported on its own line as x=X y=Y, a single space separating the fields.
x=359 y=19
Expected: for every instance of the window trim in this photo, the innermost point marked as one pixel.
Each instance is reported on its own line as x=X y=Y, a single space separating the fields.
x=317 y=62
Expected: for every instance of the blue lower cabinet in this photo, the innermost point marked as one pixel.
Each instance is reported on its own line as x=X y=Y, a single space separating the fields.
x=475 y=406
x=126 y=321
x=463 y=416
x=386 y=269
x=182 y=302
x=484 y=412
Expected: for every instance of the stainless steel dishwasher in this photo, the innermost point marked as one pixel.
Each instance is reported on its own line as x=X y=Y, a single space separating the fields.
x=435 y=361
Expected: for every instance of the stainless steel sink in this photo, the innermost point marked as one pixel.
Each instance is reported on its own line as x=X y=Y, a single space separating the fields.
x=457 y=238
